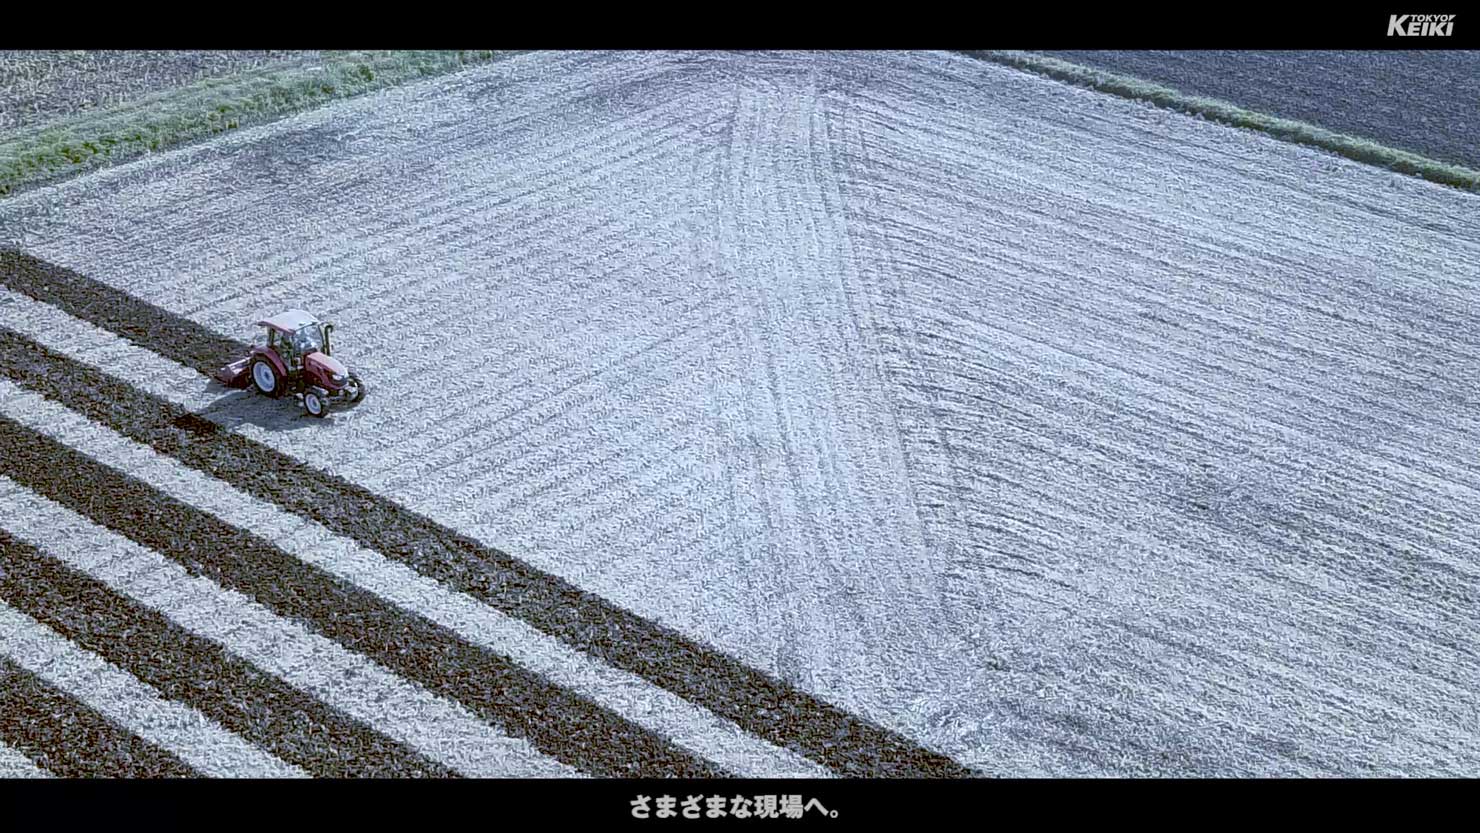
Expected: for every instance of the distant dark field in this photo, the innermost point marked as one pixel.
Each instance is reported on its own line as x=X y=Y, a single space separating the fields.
x=1425 y=102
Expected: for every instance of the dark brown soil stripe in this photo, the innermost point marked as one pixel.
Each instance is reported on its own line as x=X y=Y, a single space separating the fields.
x=189 y=669
x=756 y=701
x=118 y=312
x=70 y=739
x=563 y=725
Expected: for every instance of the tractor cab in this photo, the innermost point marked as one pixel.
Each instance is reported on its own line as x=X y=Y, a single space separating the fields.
x=295 y=334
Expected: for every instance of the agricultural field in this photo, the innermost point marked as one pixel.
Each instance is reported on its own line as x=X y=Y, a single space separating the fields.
x=887 y=414
x=1417 y=100
x=41 y=85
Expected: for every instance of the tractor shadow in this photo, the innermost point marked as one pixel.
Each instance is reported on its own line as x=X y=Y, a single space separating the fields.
x=249 y=407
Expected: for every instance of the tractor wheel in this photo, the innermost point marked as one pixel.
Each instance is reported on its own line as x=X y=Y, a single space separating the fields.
x=315 y=405
x=266 y=379
x=359 y=388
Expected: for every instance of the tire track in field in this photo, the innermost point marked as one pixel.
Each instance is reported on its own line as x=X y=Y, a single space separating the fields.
x=936 y=482
x=1013 y=463
x=1024 y=738
x=758 y=703
x=894 y=334
x=821 y=432
x=773 y=499
x=864 y=315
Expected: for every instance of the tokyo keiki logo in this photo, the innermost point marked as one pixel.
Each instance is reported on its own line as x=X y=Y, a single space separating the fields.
x=1416 y=25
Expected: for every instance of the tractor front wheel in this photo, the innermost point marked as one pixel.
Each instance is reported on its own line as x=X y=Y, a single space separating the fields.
x=315 y=405
x=265 y=378
x=359 y=386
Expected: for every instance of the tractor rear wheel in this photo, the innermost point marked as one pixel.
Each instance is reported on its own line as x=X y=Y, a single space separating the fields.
x=266 y=379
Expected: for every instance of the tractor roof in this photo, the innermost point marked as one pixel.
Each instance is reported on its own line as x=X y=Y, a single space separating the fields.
x=288 y=321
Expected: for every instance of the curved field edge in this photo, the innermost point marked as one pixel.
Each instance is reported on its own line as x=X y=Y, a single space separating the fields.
x=1290 y=130
x=46 y=153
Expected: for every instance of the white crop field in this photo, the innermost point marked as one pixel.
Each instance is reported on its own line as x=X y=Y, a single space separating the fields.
x=1054 y=433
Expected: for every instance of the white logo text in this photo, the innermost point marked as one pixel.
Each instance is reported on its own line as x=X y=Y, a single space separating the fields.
x=1410 y=25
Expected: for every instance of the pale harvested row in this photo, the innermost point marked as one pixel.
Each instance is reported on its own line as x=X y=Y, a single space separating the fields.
x=15 y=764
x=70 y=739
x=146 y=370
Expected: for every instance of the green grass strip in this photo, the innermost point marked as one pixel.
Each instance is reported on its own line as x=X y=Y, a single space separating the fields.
x=48 y=152
x=1360 y=150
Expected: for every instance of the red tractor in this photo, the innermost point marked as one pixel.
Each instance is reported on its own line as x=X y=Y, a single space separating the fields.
x=293 y=358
